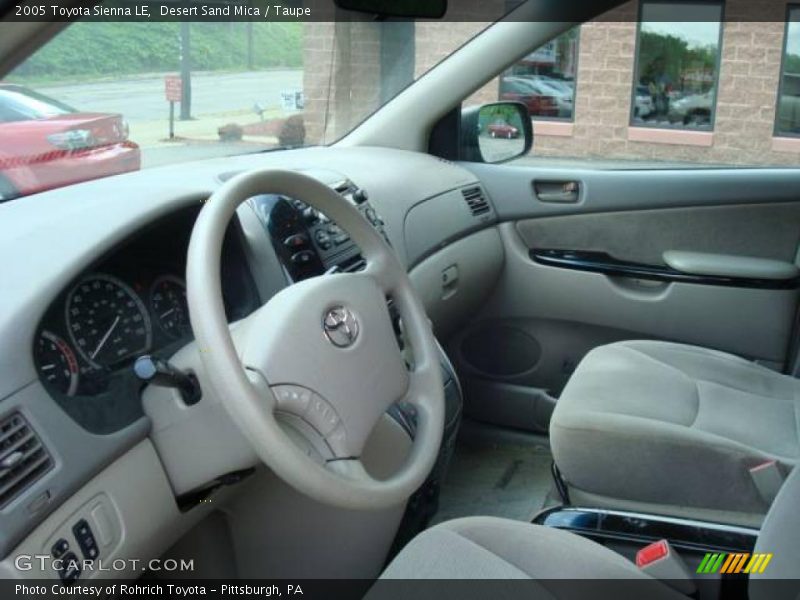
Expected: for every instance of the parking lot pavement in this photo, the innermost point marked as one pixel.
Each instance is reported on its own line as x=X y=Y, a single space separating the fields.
x=202 y=128
x=165 y=154
x=497 y=148
x=142 y=98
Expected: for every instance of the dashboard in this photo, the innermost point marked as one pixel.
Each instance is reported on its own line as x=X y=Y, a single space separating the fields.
x=95 y=278
x=130 y=303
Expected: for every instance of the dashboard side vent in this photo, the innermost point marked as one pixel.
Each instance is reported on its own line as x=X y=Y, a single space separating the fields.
x=359 y=264
x=23 y=457
x=478 y=205
x=343 y=187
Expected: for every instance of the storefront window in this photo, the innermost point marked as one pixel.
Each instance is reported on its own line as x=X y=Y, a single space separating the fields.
x=677 y=66
x=788 y=112
x=545 y=79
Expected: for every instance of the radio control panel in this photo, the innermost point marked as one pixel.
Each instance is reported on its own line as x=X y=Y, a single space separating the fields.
x=307 y=242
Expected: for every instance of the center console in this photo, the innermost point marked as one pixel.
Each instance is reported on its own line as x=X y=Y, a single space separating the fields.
x=694 y=541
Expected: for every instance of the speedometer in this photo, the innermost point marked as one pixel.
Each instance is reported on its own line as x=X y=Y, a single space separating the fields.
x=107 y=320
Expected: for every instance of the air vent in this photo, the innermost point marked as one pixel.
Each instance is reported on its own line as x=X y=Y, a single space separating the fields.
x=23 y=458
x=359 y=264
x=343 y=187
x=476 y=201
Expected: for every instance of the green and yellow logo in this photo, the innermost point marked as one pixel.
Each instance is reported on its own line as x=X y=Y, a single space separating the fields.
x=736 y=562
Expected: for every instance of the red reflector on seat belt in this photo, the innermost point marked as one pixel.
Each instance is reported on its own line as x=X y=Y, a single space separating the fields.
x=652 y=553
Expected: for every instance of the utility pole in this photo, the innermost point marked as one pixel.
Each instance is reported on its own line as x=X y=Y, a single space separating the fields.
x=250 y=45
x=186 y=72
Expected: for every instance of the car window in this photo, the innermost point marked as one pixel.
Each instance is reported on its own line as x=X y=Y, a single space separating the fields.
x=656 y=84
x=20 y=104
x=154 y=93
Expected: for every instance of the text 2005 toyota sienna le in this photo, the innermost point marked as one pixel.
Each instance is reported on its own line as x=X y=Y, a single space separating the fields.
x=406 y=294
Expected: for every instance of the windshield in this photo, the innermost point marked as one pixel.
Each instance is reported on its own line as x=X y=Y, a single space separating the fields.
x=157 y=93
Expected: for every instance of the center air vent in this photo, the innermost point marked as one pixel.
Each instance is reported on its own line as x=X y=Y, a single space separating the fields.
x=476 y=201
x=23 y=458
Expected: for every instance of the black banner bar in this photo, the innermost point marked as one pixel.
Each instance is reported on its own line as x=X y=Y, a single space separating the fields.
x=326 y=10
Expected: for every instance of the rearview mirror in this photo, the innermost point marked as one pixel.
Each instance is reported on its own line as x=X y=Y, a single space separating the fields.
x=399 y=9
x=495 y=132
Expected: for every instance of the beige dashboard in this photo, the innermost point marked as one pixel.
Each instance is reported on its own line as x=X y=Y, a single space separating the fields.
x=116 y=483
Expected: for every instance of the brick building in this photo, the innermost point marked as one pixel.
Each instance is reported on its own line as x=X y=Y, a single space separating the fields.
x=719 y=90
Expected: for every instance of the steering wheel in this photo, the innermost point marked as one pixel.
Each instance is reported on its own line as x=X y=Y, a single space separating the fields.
x=307 y=376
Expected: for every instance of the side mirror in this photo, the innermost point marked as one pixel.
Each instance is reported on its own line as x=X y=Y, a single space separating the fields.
x=495 y=132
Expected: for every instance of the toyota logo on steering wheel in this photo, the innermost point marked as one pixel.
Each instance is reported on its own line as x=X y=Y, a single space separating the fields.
x=340 y=326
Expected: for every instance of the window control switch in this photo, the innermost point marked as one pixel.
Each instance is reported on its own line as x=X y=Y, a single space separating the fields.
x=60 y=548
x=85 y=538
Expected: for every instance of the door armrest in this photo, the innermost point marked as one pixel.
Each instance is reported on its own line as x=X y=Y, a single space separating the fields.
x=729 y=265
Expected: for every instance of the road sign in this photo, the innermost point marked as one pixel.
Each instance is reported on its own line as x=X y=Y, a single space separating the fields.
x=293 y=100
x=173 y=88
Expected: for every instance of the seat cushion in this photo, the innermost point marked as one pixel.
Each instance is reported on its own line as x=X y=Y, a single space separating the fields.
x=673 y=424
x=780 y=536
x=494 y=548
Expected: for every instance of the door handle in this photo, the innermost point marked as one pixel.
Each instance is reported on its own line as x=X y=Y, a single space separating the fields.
x=556 y=191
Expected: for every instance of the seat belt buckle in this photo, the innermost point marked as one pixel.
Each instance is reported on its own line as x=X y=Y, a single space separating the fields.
x=768 y=479
x=661 y=562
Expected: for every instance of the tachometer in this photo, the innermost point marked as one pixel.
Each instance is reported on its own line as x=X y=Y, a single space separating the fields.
x=168 y=301
x=107 y=320
x=57 y=363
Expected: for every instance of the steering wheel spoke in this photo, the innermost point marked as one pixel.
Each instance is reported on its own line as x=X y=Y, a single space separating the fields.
x=384 y=273
x=351 y=469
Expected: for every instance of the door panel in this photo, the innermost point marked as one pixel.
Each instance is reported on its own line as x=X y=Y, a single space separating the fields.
x=765 y=230
x=632 y=216
x=751 y=322
x=511 y=188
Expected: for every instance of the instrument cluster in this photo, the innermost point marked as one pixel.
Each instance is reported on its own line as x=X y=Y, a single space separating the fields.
x=131 y=303
x=107 y=322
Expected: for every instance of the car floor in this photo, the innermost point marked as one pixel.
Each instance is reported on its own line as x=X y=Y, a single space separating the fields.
x=496 y=472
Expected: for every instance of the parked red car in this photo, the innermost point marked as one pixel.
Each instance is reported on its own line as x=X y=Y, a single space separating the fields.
x=502 y=129
x=46 y=144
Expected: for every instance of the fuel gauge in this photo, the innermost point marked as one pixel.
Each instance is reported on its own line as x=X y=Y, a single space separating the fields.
x=168 y=303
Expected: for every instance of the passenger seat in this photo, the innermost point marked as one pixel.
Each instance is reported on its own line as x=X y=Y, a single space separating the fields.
x=675 y=429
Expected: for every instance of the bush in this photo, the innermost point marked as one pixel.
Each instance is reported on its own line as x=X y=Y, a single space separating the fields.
x=230 y=132
x=293 y=132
